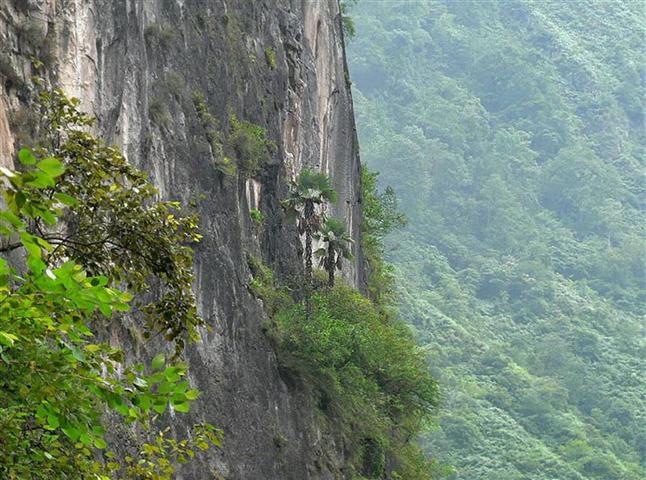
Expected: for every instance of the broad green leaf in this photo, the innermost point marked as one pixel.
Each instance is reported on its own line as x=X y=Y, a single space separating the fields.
x=7 y=338
x=172 y=374
x=44 y=243
x=41 y=180
x=29 y=242
x=66 y=199
x=121 y=307
x=37 y=266
x=140 y=382
x=52 y=420
x=48 y=217
x=158 y=361
x=103 y=295
x=51 y=166
x=99 y=281
x=71 y=432
x=12 y=219
x=26 y=157
x=105 y=310
x=192 y=394
x=85 y=439
x=121 y=408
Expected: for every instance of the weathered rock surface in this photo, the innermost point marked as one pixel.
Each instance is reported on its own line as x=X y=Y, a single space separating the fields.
x=135 y=64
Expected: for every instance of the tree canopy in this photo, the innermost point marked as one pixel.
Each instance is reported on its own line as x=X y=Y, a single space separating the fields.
x=512 y=132
x=90 y=235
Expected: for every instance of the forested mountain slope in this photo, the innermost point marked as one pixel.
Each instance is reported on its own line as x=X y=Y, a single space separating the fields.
x=513 y=134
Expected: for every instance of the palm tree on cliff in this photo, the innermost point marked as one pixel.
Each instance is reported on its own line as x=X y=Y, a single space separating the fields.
x=336 y=247
x=310 y=190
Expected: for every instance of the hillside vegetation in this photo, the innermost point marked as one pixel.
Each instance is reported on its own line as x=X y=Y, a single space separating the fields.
x=513 y=134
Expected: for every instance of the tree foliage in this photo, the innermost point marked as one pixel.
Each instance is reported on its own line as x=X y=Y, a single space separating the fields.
x=58 y=380
x=336 y=247
x=381 y=216
x=114 y=224
x=366 y=373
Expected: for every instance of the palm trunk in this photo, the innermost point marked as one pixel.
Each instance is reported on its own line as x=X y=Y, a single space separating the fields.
x=309 y=213
x=308 y=271
x=330 y=267
x=308 y=254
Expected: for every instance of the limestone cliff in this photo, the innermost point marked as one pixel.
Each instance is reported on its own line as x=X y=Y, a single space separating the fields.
x=138 y=66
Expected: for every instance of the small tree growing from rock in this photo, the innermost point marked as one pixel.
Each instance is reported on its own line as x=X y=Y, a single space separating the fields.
x=336 y=247
x=310 y=190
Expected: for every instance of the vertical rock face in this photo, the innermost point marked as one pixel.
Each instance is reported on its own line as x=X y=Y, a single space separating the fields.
x=138 y=66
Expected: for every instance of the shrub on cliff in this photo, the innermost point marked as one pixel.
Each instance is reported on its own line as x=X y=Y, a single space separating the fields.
x=365 y=371
x=249 y=145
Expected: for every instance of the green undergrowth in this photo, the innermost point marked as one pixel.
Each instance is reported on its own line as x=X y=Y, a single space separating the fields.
x=257 y=217
x=365 y=373
x=380 y=216
x=270 y=56
x=249 y=145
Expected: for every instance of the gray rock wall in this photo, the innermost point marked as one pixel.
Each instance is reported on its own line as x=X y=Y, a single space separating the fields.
x=124 y=58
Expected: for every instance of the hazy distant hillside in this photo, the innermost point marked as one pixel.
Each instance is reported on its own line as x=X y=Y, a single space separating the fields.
x=513 y=134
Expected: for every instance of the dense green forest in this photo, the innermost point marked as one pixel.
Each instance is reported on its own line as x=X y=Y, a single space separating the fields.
x=512 y=132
